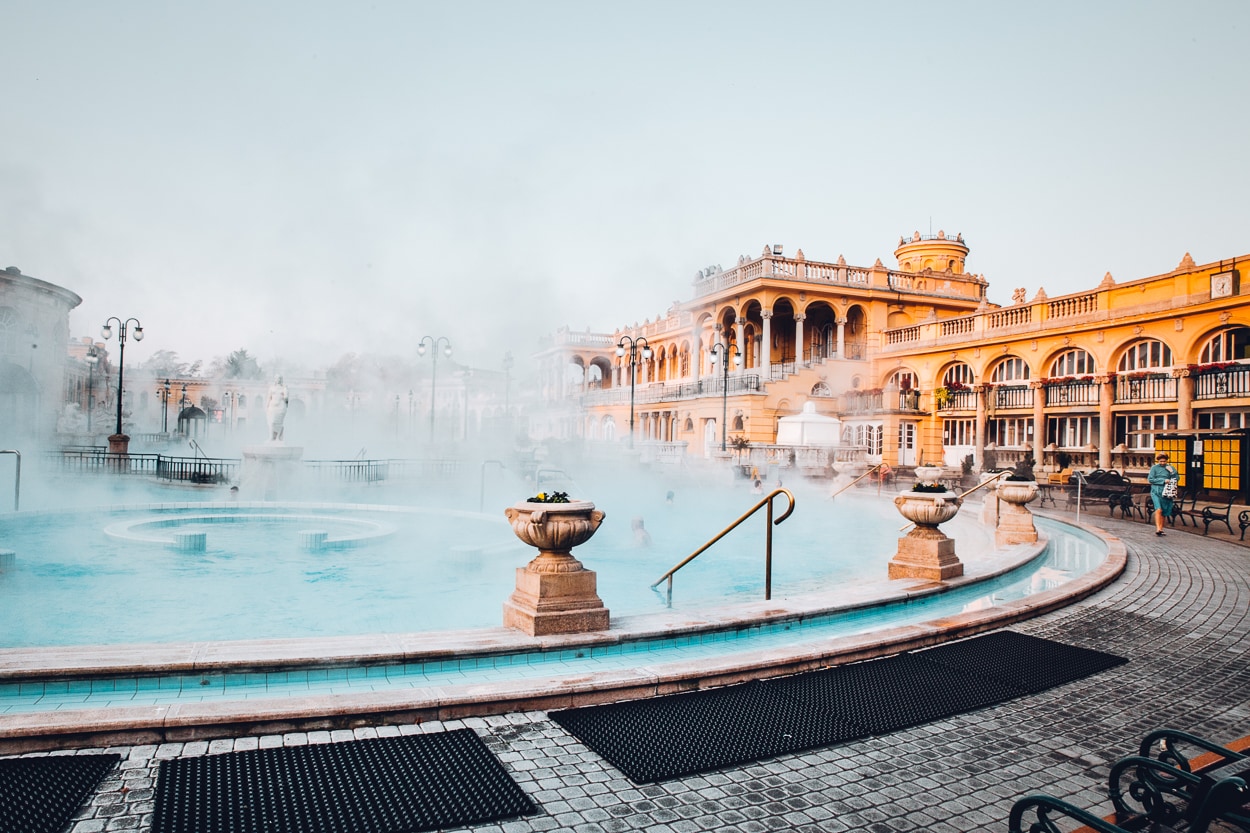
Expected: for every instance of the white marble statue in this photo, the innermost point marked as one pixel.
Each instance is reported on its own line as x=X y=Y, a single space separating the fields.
x=275 y=408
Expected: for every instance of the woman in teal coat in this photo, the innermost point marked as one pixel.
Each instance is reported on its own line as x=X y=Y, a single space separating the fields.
x=1160 y=473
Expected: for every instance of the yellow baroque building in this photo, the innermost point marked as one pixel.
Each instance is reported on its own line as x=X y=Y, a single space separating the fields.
x=915 y=365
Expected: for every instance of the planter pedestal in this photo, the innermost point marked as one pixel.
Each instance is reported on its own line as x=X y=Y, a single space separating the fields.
x=1015 y=521
x=925 y=552
x=554 y=592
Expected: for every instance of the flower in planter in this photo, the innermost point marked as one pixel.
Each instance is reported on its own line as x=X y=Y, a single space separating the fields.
x=549 y=497
x=929 y=488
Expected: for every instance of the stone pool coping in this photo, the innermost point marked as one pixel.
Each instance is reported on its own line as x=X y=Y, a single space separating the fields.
x=70 y=728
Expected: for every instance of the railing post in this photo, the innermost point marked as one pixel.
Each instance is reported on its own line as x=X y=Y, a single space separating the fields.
x=17 y=480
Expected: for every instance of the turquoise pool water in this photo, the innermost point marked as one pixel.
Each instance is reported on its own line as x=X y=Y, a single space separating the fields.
x=102 y=577
x=1071 y=552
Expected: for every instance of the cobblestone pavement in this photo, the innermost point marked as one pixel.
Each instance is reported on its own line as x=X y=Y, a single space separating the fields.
x=1180 y=613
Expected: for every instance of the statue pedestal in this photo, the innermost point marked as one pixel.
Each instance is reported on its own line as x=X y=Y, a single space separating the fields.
x=269 y=470
x=554 y=592
x=1015 y=521
x=548 y=603
x=926 y=552
x=119 y=444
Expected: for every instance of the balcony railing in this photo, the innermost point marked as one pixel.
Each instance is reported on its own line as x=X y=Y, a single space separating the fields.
x=1059 y=394
x=1152 y=387
x=1004 y=397
x=958 y=400
x=669 y=391
x=1229 y=383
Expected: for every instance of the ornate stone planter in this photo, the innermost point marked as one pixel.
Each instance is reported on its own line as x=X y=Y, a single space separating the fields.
x=926 y=552
x=554 y=592
x=928 y=474
x=1015 y=521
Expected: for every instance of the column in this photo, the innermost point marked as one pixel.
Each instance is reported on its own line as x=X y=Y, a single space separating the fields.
x=798 y=339
x=766 y=355
x=979 y=444
x=1184 y=400
x=1106 y=396
x=740 y=335
x=1039 y=421
x=842 y=337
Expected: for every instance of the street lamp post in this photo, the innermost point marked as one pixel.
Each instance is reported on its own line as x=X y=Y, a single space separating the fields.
x=123 y=442
x=433 y=369
x=162 y=391
x=507 y=382
x=723 y=349
x=634 y=345
x=93 y=358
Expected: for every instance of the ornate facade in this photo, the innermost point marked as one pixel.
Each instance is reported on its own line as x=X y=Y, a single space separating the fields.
x=916 y=363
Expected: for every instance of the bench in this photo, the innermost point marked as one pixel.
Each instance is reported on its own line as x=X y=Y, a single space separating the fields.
x=1102 y=486
x=1208 y=514
x=1243 y=521
x=1169 y=790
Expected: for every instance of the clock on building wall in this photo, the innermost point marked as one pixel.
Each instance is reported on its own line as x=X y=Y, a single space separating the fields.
x=1224 y=284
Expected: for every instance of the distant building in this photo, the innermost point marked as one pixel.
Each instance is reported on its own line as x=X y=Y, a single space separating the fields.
x=34 y=332
x=916 y=363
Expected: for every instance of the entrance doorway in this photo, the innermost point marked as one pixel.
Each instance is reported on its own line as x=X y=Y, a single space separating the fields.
x=907 y=443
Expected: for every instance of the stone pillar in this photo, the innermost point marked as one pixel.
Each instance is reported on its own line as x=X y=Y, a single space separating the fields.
x=1106 y=396
x=798 y=339
x=842 y=337
x=1039 y=421
x=1184 y=399
x=979 y=446
x=766 y=353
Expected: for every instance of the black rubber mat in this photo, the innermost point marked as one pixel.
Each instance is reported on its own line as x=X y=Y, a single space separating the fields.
x=1029 y=663
x=681 y=734
x=666 y=737
x=380 y=785
x=888 y=694
x=41 y=795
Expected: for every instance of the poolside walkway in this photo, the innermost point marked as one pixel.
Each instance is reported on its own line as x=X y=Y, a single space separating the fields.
x=1180 y=613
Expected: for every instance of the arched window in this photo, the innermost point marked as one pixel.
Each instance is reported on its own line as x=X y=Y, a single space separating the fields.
x=689 y=426
x=821 y=389
x=1074 y=362
x=737 y=423
x=242 y=400
x=1227 y=346
x=1147 y=354
x=903 y=380
x=1011 y=369
x=960 y=374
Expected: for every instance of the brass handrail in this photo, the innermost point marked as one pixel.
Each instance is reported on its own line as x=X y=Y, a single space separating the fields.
x=856 y=480
x=768 y=542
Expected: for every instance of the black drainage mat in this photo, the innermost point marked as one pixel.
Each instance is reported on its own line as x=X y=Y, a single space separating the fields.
x=1029 y=663
x=666 y=737
x=885 y=695
x=681 y=734
x=380 y=785
x=41 y=795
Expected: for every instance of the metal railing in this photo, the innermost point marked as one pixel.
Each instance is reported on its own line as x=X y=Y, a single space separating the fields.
x=767 y=501
x=856 y=480
x=17 y=480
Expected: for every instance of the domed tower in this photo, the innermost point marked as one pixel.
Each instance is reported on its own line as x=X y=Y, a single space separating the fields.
x=935 y=251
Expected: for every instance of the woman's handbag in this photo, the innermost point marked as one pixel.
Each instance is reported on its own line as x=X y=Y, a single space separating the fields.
x=1169 y=489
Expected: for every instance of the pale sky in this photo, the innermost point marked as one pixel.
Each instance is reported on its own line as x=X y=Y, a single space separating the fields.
x=307 y=179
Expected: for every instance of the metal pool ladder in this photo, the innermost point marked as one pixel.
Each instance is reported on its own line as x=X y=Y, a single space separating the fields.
x=767 y=502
